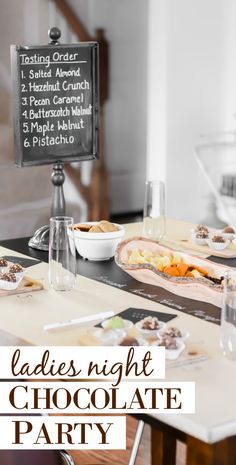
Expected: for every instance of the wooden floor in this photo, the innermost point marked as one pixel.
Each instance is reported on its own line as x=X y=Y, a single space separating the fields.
x=122 y=457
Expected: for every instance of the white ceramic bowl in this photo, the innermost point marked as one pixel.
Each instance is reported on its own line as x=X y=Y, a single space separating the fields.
x=98 y=246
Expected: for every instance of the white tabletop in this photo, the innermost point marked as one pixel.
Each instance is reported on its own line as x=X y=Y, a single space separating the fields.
x=24 y=317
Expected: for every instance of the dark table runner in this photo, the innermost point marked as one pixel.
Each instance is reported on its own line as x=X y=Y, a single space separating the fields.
x=109 y=273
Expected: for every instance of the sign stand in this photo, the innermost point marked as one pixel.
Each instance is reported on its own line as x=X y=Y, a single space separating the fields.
x=58 y=199
x=56 y=106
x=40 y=239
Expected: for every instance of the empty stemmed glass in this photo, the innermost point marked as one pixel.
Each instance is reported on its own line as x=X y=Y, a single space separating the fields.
x=154 y=221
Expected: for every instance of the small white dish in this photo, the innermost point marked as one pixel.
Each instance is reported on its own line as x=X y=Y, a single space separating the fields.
x=9 y=286
x=173 y=354
x=228 y=236
x=148 y=332
x=127 y=325
x=217 y=245
x=198 y=240
x=109 y=337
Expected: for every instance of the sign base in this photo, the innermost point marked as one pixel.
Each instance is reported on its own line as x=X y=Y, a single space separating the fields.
x=40 y=239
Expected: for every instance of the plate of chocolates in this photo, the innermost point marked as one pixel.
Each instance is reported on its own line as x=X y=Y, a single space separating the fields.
x=11 y=274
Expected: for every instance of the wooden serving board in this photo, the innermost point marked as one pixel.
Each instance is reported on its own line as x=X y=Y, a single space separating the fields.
x=27 y=285
x=188 y=244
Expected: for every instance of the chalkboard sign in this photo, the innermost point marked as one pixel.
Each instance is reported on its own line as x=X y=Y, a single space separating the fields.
x=55 y=102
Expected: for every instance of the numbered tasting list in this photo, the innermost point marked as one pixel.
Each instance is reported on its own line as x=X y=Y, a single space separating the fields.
x=55 y=97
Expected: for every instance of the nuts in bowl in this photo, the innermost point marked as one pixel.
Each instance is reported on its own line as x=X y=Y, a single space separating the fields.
x=103 y=226
x=97 y=240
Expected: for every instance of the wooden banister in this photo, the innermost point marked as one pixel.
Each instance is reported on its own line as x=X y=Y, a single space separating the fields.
x=72 y=19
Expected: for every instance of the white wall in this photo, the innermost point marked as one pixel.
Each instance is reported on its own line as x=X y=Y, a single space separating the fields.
x=172 y=78
x=229 y=65
x=195 y=75
x=157 y=89
x=125 y=24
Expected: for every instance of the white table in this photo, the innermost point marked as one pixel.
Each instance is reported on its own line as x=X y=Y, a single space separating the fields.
x=211 y=432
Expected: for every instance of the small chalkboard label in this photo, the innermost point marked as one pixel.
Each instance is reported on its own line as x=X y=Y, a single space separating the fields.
x=55 y=103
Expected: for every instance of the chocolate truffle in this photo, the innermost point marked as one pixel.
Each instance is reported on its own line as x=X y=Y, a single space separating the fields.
x=169 y=343
x=202 y=232
x=173 y=332
x=202 y=235
x=200 y=228
x=3 y=262
x=150 y=323
x=218 y=239
x=229 y=230
x=16 y=268
x=10 y=277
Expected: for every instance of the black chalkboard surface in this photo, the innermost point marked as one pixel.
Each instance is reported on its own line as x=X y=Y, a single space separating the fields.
x=55 y=102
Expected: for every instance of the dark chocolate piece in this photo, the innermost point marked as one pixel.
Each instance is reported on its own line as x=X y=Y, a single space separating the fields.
x=218 y=239
x=129 y=341
x=229 y=230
